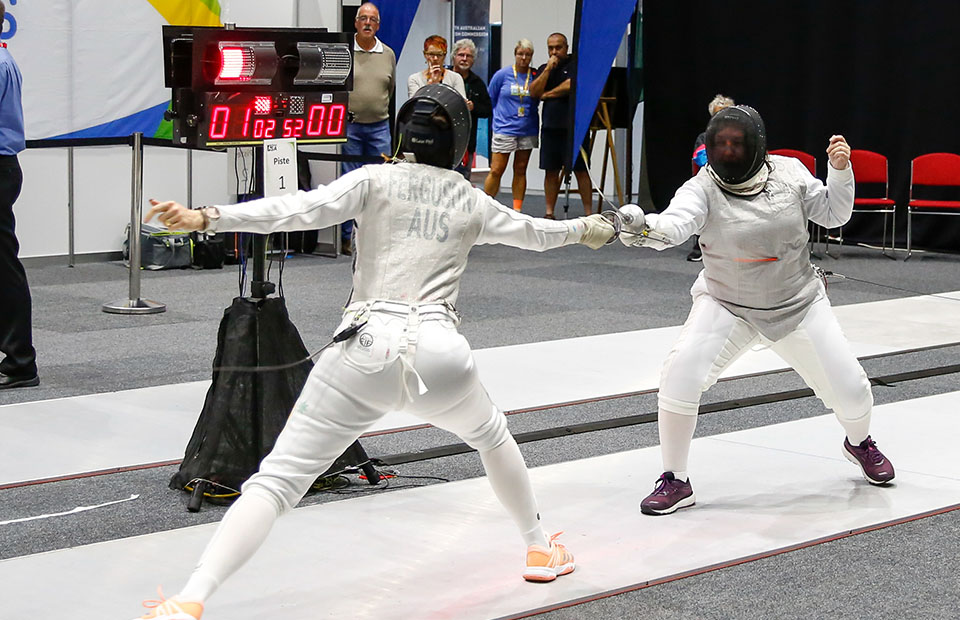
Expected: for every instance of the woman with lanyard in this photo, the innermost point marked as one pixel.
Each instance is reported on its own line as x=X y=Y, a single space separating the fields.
x=516 y=122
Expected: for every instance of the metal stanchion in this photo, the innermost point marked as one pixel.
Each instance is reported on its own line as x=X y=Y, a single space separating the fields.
x=71 y=250
x=133 y=304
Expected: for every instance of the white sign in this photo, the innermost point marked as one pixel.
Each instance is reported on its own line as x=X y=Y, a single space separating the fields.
x=279 y=167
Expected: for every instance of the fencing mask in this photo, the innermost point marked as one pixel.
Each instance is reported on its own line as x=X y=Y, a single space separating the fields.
x=736 y=145
x=434 y=125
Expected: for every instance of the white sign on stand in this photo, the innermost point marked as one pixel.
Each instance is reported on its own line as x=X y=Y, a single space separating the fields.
x=280 y=167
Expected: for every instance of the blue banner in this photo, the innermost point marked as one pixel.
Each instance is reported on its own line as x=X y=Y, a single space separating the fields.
x=598 y=32
x=396 y=17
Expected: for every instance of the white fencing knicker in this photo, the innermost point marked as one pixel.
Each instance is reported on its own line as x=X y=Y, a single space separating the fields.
x=406 y=356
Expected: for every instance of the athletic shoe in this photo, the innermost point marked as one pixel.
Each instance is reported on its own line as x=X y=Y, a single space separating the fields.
x=876 y=468
x=548 y=564
x=171 y=609
x=669 y=495
x=695 y=255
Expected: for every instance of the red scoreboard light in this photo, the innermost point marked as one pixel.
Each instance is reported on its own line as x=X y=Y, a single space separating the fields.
x=241 y=86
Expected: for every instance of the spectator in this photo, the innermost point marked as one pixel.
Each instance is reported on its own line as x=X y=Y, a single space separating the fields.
x=699 y=160
x=478 y=99
x=552 y=87
x=435 y=52
x=374 y=78
x=19 y=365
x=515 y=122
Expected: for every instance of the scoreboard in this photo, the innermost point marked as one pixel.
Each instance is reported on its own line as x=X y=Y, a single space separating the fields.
x=241 y=86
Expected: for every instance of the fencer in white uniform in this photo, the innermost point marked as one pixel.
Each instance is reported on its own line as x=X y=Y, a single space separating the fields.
x=757 y=286
x=417 y=223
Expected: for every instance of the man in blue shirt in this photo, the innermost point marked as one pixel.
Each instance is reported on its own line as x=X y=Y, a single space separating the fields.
x=18 y=368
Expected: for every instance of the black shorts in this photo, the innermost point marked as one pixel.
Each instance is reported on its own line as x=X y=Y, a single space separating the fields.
x=553 y=145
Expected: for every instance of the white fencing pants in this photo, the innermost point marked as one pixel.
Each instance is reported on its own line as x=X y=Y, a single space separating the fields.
x=351 y=387
x=713 y=338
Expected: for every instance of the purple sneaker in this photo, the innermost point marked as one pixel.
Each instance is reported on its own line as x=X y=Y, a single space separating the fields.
x=876 y=468
x=669 y=495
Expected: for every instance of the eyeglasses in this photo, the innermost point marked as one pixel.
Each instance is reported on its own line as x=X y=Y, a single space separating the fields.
x=367 y=18
x=434 y=54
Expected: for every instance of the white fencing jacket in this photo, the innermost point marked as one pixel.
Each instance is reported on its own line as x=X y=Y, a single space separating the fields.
x=417 y=223
x=756 y=259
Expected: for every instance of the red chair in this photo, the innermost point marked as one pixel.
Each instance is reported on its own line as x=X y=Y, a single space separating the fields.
x=810 y=162
x=936 y=169
x=871 y=167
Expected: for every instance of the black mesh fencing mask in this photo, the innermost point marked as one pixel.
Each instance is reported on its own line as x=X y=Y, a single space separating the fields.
x=736 y=144
x=434 y=125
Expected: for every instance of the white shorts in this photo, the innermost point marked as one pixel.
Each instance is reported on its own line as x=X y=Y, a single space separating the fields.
x=508 y=144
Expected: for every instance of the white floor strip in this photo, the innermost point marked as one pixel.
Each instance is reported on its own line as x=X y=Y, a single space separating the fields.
x=104 y=431
x=448 y=551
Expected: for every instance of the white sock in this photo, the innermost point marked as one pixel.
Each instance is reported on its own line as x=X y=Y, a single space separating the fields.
x=241 y=532
x=680 y=475
x=508 y=476
x=676 y=433
x=857 y=430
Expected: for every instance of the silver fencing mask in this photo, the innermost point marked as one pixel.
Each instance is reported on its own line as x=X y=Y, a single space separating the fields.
x=434 y=125
x=736 y=143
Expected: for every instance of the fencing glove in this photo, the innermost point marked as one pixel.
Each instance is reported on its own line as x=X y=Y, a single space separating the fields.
x=597 y=231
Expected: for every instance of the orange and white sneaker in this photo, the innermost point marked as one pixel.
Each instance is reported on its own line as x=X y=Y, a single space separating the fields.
x=548 y=564
x=171 y=609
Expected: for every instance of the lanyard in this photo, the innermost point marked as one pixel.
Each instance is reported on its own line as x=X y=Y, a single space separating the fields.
x=525 y=85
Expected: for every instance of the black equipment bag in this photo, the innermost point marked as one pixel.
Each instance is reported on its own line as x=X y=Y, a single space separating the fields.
x=244 y=412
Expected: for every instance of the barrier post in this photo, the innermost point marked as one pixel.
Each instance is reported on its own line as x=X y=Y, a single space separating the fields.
x=133 y=304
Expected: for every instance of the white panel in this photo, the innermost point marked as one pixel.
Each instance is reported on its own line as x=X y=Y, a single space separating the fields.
x=273 y=14
x=41 y=209
x=210 y=173
x=320 y=14
x=102 y=189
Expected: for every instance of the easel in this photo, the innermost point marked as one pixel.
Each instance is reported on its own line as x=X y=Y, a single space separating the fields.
x=602 y=121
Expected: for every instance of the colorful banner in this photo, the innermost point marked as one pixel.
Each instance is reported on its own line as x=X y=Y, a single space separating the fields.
x=471 y=20
x=94 y=68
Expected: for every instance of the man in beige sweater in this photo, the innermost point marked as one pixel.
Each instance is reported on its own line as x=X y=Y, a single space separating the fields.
x=374 y=78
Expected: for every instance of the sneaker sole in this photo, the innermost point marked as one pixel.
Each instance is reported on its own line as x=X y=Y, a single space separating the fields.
x=684 y=503
x=853 y=459
x=543 y=574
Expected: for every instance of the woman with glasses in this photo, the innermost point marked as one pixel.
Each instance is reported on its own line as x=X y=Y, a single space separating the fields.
x=516 y=123
x=435 y=51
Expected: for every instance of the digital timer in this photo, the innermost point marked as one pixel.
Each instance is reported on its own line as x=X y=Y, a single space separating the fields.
x=236 y=119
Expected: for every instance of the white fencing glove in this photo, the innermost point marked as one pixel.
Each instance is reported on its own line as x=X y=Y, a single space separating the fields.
x=597 y=231
x=633 y=220
x=645 y=236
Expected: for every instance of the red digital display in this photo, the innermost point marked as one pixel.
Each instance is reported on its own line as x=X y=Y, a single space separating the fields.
x=244 y=118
